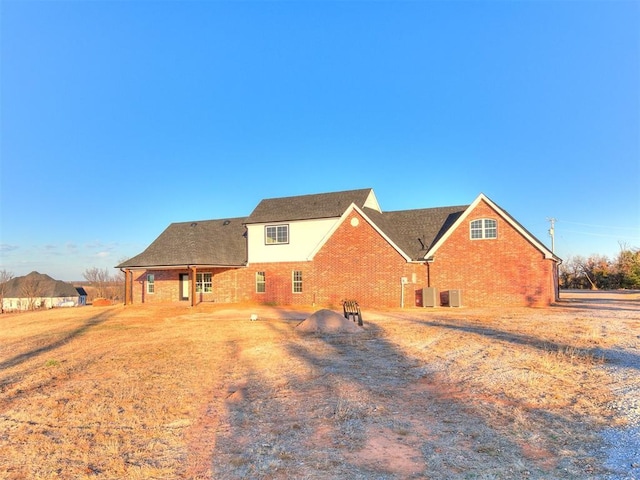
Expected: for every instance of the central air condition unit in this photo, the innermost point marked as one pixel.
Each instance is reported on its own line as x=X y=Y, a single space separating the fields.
x=430 y=297
x=455 y=298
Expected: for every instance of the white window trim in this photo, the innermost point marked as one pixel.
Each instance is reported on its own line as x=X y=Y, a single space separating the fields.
x=151 y=283
x=484 y=228
x=295 y=282
x=200 y=284
x=275 y=241
x=262 y=282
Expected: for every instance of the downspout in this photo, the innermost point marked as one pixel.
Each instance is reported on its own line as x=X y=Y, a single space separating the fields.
x=429 y=261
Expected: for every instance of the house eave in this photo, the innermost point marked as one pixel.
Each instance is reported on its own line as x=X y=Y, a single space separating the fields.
x=290 y=220
x=178 y=267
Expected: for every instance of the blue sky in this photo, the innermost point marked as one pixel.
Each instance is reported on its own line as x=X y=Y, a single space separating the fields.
x=120 y=117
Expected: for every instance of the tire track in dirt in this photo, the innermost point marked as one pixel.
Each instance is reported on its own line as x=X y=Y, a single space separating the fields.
x=203 y=433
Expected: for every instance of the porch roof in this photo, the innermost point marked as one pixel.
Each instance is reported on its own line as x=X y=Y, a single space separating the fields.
x=219 y=243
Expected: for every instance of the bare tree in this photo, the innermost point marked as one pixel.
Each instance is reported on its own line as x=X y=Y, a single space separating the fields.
x=576 y=270
x=31 y=290
x=5 y=276
x=98 y=279
x=106 y=284
x=572 y=273
x=116 y=286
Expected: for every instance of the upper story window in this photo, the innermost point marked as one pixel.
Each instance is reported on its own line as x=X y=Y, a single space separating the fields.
x=204 y=283
x=276 y=234
x=484 y=228
x=151 y=283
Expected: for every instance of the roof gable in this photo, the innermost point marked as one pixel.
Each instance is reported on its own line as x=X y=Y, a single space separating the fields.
x=409 y=232
x=418 y=234
x=502 y=213
x=353 y=207
x=308 y=207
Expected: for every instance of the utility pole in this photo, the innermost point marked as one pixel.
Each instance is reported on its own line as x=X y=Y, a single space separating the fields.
x=552 y=233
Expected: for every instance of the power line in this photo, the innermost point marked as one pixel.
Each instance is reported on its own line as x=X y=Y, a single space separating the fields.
x=632 y=237
x=599 y=226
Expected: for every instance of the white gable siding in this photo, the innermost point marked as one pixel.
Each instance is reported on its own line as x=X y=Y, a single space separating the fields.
x=372 y=202
x=304 y=237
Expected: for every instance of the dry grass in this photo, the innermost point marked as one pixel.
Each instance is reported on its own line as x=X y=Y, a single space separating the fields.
x=173 y=392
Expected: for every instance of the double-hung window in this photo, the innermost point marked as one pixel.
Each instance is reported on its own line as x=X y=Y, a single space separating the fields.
x=261 y=281
x=276 y=234
x=204 y=283
x=151 y=285
x=297 y=281
x=483 y=228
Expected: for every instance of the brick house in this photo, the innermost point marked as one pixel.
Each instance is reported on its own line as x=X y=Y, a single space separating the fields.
x=320 y=249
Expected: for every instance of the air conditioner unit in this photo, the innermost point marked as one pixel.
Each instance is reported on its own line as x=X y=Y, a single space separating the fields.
x=430 y=297
x=455 y=298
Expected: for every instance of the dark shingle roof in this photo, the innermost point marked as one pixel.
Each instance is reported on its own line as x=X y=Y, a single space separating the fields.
x=40 y=285
x=414 y=231
x=209 y=242
x=306 y=207
x=223 y=242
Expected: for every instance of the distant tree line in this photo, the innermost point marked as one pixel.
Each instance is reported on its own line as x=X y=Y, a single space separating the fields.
x=104 y=283
x=599 y=272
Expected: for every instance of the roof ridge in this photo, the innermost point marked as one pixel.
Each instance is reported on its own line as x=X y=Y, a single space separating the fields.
x=337 y=192
x=450 y=207
x=221 y=219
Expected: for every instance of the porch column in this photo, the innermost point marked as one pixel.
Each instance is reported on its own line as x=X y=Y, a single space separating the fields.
x=128 y=284
x=193 y=286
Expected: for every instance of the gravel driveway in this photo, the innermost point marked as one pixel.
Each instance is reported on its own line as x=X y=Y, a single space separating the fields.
x=623 y=443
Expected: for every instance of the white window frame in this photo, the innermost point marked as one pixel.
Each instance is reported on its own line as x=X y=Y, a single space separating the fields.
x=261 y=282
x=296 y=281
x=151 y=283
x=483 y=229
x=204 y=282
x=276 y=234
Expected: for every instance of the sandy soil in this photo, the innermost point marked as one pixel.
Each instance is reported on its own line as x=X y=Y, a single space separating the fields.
x=177 y=392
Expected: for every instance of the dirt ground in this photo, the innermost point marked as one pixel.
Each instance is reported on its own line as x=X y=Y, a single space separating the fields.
x=169 y=392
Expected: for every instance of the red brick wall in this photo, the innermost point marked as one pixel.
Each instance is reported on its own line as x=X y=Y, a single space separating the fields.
x=357 y=262
x=504 y=271
x=279 y=283
x=226 y=288
x=166 y=286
